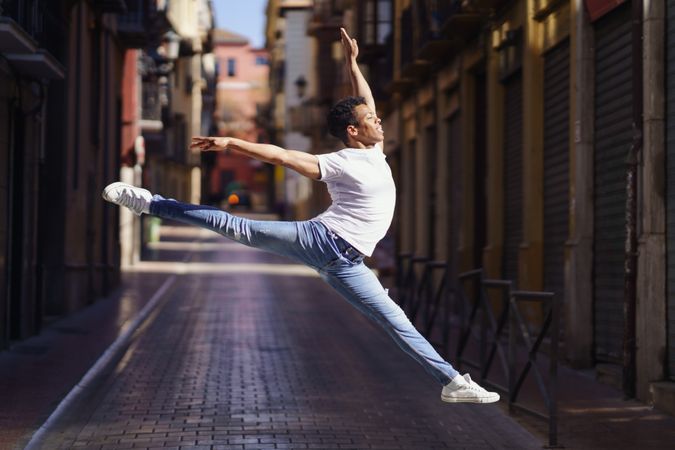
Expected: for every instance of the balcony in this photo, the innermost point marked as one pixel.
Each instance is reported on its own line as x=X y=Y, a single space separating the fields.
x=34 y=33
x=142 y=23
x=375 y=29
x=307 y=118
x=460 y=21
x=111 y=6
x=433 y=31
x=411 y=65
x=382 y=72
x=433 y=43
x=151 y=106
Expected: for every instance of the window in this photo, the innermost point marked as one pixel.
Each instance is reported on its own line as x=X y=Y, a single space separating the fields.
x=376 y=25
x=231 y=67
x=260 y=60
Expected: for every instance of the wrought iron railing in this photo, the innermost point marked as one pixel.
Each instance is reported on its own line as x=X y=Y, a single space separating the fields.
x=407 y=281
x=42 y=20
x=501 y=315
x=134 y=17
x=152 y=106
x=485 y=317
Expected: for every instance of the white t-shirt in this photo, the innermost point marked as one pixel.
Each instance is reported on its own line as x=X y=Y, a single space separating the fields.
x=364 y=195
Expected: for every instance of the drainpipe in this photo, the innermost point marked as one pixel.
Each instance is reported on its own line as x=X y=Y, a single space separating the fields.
x=630 y=264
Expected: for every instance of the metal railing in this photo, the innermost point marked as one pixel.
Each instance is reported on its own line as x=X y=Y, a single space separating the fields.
x=491 y=327
x=491 y=324
x=151 y=105
x=501 y=314
x=407 y=278
x=517 y=377
x=41 y=20
x=425 y=296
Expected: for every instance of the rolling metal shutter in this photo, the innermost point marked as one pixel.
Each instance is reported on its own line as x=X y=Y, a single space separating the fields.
x=432 y=189
x=513 y=173
x=613 y=121
x=479 y=182
x=454 y=130
x=670 y=144
x=556 y=165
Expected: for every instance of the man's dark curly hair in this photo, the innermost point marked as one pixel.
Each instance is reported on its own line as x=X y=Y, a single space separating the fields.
x=342 y=115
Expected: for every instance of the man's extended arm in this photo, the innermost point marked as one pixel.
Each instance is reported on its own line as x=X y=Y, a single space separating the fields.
x=360 y=86
x=304 y=163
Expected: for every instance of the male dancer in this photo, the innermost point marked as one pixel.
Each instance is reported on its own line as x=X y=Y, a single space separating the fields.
x=335 y=242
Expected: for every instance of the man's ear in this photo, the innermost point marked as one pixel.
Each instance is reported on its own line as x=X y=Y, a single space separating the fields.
x=352 y=130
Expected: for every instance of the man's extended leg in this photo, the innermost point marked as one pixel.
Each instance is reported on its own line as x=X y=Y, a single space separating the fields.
x=357 y=283
x=302 y=241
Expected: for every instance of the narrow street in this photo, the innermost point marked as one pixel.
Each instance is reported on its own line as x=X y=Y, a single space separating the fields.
x=248 y=351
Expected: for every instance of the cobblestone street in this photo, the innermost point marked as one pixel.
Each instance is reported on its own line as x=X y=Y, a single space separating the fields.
x=247 y=351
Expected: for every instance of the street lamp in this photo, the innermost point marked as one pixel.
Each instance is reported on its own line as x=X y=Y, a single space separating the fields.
x=301 y=85
x=172 y=41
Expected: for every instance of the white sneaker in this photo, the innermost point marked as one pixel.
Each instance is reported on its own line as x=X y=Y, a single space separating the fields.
x=123 y=194
x=462 y=389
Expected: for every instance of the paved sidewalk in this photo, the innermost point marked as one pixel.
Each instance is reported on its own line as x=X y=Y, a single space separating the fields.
x=269 y=357
x=594 y=416
x=37 y=373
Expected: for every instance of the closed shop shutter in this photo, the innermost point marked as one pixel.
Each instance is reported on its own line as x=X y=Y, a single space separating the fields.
x=479 y=186
x=513 y=172
x=5 y=92
x=454 y=187
x=670 y=143
x=556 y=165
x=613 y=121
x=432 y=190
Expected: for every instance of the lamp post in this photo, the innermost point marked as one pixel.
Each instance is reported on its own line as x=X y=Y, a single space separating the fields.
x=172 y=41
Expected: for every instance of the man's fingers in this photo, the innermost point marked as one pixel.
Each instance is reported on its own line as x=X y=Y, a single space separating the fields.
x=345 y=37
x=201 y=144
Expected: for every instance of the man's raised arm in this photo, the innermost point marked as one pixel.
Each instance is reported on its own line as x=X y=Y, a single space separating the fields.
x=359 y=84
x=304 y=163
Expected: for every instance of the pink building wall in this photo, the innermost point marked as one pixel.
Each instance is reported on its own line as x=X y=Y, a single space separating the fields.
x=130 y=107
x=238 y=95
x=237 y=98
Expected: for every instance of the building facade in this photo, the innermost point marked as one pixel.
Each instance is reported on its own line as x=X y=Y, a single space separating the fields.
x=76 y=102
x=528 y=138
x=175 y=72
x=531 y=133
x=60 y=102
x=293 y=54
x=168 y=96
x=241 y=110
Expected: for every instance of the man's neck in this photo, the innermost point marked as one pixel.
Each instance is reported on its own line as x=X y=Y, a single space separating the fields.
x=360 y=145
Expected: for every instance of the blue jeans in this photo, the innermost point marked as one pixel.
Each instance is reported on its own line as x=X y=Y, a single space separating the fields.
x=313 y=244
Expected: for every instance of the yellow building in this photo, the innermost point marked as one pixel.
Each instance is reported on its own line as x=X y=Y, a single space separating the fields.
x=509 y=126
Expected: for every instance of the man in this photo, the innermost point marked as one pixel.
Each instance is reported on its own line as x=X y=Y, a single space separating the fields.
x=335 y=242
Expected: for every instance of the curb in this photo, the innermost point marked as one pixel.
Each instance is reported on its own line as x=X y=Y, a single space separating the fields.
x=112 y=352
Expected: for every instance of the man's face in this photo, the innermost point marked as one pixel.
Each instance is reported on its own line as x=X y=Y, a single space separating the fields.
x=370 y=126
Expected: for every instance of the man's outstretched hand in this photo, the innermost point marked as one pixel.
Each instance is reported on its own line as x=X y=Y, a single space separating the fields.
x=351 y=48
x=206 y=144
